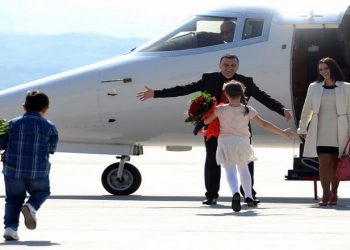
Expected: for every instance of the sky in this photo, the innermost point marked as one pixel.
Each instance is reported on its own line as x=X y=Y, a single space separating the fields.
x=117 y=18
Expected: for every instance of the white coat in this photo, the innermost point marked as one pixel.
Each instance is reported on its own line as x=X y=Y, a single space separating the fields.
x=310 y=113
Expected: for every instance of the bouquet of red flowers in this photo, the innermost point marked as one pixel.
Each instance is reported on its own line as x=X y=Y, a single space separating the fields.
x=200 y=104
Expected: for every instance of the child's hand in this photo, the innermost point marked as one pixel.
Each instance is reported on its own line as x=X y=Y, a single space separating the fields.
x=289 y=133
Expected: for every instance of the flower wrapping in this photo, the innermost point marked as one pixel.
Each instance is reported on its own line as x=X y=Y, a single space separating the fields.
x=213 y=129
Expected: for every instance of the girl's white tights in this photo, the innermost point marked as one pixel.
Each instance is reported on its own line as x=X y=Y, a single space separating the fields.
x=245 y=179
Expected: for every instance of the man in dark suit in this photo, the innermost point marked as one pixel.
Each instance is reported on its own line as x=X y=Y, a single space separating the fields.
x=213 y=83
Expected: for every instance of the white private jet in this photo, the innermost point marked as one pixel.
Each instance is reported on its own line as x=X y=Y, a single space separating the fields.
x=96 y=111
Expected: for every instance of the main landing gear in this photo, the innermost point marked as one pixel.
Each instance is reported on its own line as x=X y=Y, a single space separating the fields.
x=121 y=178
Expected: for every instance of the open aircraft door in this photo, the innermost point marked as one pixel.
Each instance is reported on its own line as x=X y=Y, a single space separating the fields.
x=316 y=35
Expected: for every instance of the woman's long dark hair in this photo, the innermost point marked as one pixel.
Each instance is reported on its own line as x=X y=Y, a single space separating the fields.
x=336 y=73
x=234 y=89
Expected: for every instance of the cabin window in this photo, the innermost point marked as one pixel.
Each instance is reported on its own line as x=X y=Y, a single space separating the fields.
x=252 y=28
x=200 y=31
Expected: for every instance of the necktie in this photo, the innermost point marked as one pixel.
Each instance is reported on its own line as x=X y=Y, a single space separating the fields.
x=223 y=98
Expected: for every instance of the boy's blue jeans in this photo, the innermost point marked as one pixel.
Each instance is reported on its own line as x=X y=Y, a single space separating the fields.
x=16 y=191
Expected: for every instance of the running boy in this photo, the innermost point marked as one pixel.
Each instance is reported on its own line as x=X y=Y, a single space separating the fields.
x=29 y=140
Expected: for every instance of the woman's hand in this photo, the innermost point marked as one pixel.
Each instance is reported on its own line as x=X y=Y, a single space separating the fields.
x=289 y=133
x=302 y=136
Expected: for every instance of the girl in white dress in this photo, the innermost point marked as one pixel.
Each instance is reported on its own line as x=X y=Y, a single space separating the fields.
x=234 y=151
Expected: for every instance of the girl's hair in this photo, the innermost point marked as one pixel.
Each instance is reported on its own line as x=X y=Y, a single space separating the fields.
x=336 y=73
x=236 y=89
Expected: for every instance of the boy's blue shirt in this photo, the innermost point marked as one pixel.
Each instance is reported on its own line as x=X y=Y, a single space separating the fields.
x=29 y=141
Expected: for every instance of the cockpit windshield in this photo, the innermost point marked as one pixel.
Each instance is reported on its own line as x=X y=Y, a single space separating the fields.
x=199 y=31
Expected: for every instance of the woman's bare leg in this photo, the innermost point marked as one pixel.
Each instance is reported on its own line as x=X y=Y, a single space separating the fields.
x=326 y=174
x=335 y=181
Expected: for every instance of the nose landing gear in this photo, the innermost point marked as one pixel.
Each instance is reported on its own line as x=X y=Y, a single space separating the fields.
x=121 y=178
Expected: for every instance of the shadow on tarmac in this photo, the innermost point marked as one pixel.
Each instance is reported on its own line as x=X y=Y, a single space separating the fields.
x=292 y=200
x=343 y=203
x=30 y=243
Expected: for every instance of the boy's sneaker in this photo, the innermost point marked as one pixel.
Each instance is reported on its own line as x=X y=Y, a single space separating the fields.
x=10 y=234
x=236 y=202
x=29 y=216
x=250 y=202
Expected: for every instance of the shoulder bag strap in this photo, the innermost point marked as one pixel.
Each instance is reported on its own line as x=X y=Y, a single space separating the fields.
x=346 y=149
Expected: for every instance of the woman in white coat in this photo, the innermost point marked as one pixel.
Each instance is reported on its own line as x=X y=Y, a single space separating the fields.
x=327 y=109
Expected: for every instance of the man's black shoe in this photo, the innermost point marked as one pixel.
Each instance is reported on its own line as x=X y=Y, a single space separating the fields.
x=251 y=203
x=255 y=200
x=210 y=201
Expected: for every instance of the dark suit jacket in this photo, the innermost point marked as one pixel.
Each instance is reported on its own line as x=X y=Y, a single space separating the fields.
x=213 y=83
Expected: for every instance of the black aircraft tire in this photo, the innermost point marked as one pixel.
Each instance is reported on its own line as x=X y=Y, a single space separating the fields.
x=131 y=179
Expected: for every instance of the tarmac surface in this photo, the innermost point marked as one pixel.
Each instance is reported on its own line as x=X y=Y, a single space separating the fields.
x=167 y=212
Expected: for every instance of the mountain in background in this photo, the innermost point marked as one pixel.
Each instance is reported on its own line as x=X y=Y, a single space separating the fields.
x=28 y=57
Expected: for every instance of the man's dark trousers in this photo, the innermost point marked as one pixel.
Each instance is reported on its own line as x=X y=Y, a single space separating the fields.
x=212 y=171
